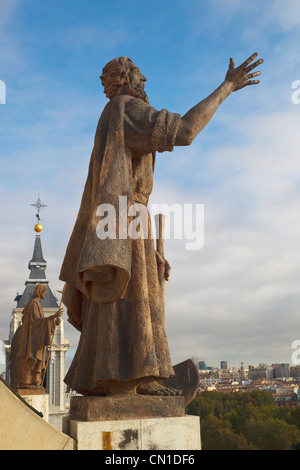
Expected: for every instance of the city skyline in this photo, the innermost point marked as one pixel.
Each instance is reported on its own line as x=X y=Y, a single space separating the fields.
x=238 y=297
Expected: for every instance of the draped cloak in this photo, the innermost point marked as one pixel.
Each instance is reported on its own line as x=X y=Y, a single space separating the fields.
x=112 y=292
x=33 y=338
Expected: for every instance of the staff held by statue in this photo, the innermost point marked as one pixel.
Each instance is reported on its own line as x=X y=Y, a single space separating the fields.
x=57 y=322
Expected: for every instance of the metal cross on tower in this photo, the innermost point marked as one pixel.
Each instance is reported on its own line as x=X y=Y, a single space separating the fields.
x=38 y=205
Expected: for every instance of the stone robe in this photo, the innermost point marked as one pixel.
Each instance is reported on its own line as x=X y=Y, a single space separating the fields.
x=32 y=339
x=121 y=319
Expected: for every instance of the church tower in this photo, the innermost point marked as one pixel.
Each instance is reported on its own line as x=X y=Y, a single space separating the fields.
x=55 y=374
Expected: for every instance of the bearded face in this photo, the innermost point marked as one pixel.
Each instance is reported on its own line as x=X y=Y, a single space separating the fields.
x=136 y=83
x=136 y=90
x=121 y=76
x=40 y=291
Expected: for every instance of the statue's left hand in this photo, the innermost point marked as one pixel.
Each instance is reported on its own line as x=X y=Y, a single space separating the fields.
x=167 y=270
x=161 y=260
x=240 y=77
x=57 y=316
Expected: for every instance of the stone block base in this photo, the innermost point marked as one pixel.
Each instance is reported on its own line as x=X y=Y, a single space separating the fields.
x=173 y=433
x=125 y=407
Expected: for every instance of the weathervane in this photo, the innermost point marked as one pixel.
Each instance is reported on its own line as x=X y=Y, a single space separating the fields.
x=38 y=205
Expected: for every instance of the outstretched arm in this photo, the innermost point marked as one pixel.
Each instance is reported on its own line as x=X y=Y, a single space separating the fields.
x=198 y=116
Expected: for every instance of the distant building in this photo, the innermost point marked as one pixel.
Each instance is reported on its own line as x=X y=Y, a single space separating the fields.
x=202 y=365
x=284 y=389
x=260 y=373
x=242 y=373
x=281 y=371
x=224 y=365
x=295 y=372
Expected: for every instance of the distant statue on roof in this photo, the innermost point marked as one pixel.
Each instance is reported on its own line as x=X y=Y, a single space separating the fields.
x=28 y=349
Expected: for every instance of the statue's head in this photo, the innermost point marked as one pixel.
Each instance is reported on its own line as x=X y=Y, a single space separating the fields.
x=40 y=291
x=121 y=76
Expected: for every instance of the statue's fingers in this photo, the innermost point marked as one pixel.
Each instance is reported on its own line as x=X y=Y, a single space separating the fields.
x=249 y=60
x=250 y=82
x=239 y=87
x=231 y=63
x=252 y=66
x=254 y=74
x=253 y=82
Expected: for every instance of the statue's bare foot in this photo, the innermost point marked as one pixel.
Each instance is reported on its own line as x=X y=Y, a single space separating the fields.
x=156 y=389
x=118 y=387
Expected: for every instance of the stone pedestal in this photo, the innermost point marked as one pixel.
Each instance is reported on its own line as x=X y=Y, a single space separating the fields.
x=179 y=433
x=37 y=399
x=125 y=407
x=132 y=423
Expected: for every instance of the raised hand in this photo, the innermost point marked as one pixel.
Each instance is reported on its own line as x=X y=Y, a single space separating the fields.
x=57 y=316
x=240 y=77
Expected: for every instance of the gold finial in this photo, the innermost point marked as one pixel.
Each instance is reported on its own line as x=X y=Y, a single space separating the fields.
x=38 y=228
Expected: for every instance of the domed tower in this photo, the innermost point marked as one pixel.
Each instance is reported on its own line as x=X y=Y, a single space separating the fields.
x=242 y=373
x=55 y=374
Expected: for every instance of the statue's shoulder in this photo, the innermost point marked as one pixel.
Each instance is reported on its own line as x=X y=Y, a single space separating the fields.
x=121 y=100
x=33 y=304
x=29 y=304
x=30 y=308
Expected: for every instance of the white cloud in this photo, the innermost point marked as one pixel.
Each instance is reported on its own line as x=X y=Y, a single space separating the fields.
x=10 y=51
x=286 y=15
x=7 y=10
x=239 y=297
x=275 y=14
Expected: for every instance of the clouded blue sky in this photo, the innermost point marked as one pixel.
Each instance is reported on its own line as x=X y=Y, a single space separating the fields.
x=238 y=298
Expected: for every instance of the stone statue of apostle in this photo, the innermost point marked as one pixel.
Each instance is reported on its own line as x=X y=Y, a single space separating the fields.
x=112 y=290
x=28 y=354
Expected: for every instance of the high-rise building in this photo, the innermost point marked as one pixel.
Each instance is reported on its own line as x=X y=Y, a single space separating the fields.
x=224 y=365
x=202 y=365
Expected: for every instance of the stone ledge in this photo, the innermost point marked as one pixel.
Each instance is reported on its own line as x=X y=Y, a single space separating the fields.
x=31 y=391
x=117 y=407
x=23 y=429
